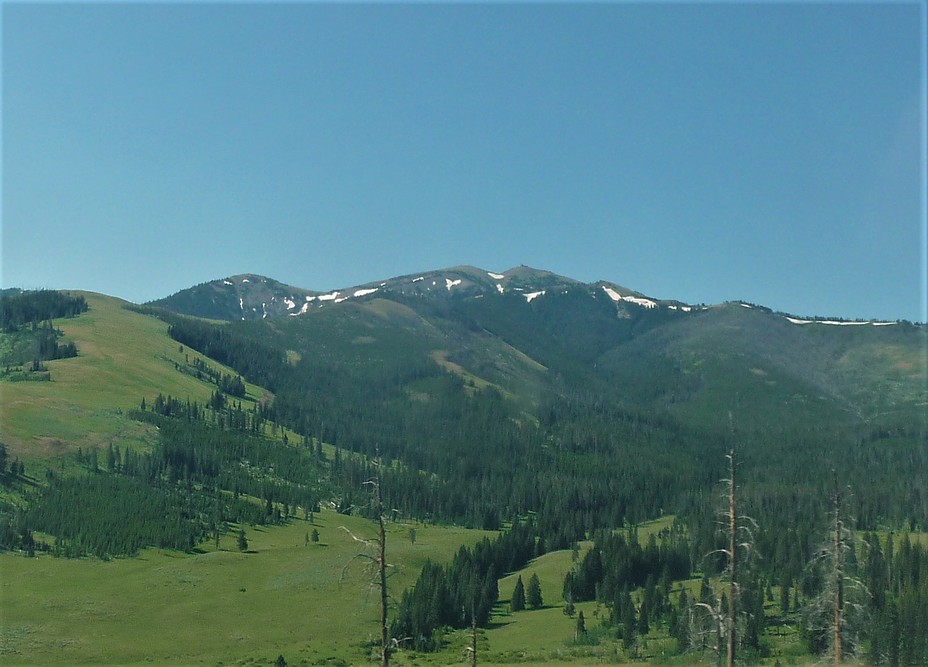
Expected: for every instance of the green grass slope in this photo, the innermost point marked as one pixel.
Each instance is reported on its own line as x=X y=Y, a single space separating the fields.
x=309 y=602
x=123 y=356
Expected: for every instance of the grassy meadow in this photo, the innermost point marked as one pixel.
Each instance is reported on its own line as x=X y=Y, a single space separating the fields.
x=123 y=356
x=283 y=596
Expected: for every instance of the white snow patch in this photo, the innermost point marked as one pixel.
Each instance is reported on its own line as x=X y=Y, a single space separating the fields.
x=415 y=280
x=842 y=324
x=291 y=304
x=264 y=308
x=499 y=288
x=245 y=280
x=383 y=284
x=744 y=305
x=615 y=296
x=686 y=309
x=328 y=297
x=495 y=276
x=836 y=322
x=451 y=283
x=533 y=295
x=884 y=324
x=647 y=303
x=241 y=303
x=226 y=282
x=434 y=283
x=305 y=308
x=340 y=300
x=672 y=307
x=365 y=292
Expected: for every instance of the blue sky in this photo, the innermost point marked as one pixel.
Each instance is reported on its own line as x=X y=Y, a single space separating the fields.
x=703 y=152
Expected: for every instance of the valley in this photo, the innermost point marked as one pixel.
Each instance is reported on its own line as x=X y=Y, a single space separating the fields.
x=486 y=404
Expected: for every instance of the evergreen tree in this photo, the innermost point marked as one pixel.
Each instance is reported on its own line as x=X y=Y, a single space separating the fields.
x=533 y=594
x=242 y=540
x=518 y=596
x=629 y=626
x=569 y=608
x=581 y=626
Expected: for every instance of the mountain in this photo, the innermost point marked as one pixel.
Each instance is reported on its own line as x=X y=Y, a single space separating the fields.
x=524 y=329
x=251 y=296
x=242 y=297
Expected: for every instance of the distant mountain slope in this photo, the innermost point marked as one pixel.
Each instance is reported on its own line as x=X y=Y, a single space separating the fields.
x=529 y=331
x=242 y=297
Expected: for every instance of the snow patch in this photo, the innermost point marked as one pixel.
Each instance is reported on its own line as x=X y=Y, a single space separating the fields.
x=241 y=303
x=291 y=304
x=264 y=308
x=499 y=288
x=340 y=300
x=831 y=322
x=383 y=284
x=226 y=282
x=615 y=296
x=245 y=280
x=533 y=295
x=365 y=292
x=744 y=305
x=451 y=283
x=686 y=309
x=415 y=280
x=495 y=276
x=328 y=297
x=884 y=324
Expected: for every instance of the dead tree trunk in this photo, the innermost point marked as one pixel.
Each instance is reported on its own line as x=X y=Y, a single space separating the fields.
x=733 y=560
x=382 y=571
x=838 y=574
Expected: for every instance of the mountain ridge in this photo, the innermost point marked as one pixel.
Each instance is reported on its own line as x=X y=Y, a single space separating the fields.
x=251 y=296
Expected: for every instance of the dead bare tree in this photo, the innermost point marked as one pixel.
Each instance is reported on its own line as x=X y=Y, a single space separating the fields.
x=377 y=562
x=838 y=612
x=722 y=622
x=732 y=560
x=837 y=573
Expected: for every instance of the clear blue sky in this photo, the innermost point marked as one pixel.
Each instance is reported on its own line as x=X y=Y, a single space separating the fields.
x=703 y=152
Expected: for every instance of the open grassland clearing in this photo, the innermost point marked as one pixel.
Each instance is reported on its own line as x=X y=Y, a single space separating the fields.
x=123 y=357
x=283 y=596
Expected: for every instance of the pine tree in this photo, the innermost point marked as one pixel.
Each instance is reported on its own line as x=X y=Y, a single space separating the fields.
x=533 y=595
x=518 y=596
x=242 y=540
x=581 y=626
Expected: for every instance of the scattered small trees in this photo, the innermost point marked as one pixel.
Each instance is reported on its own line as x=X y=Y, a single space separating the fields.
x=242 y=540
